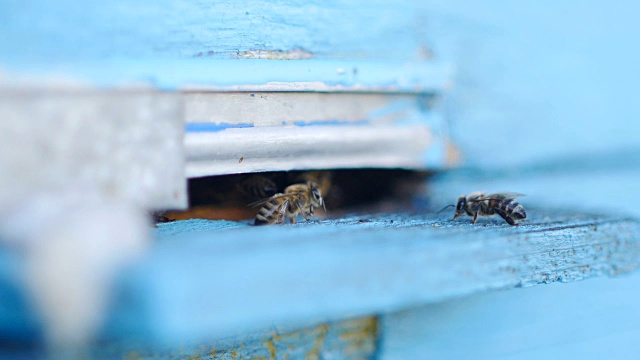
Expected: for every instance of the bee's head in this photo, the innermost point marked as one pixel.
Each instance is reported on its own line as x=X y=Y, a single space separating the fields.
x=460 y=205
x=316 y=196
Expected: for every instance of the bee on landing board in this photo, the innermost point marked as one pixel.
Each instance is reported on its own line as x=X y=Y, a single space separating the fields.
x=297 y=199
x=479 y=204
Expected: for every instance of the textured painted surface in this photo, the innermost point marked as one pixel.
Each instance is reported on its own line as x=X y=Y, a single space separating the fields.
x=330 y=269
x=64 y=30
x=312 y=147
x=593 y=319
x=285 y=108
x=358 y=265
x=172 y=44
x=323 y=75
x=284 y=131
x=345 y=339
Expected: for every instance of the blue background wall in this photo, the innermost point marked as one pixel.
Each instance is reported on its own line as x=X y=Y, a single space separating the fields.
x=540 y=79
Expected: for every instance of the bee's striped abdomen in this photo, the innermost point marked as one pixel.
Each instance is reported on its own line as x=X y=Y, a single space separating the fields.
x=271 y=213
x=513 y=209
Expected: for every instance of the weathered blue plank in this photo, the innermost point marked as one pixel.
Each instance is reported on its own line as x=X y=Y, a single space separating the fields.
x=332 y=269
x=64 y=30
x=306 y=273
x=345 y=339
x=531 y=84
x=594 y=319
x=170 y=44
x=248 y=74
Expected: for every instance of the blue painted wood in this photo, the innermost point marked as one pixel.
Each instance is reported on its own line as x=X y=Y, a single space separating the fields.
x=345 y=339
x=64 y=31
x=207 y=280
x=593 y=319
x=170 y=43
x=331 y=269
x=521 y=78
x=528 y=81
x=532 y=85
x=246 y=74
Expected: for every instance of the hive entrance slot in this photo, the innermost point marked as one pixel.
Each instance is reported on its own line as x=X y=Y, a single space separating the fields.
x=227 y=196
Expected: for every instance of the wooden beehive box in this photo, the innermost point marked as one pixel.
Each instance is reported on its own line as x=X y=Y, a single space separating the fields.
x=108 y=110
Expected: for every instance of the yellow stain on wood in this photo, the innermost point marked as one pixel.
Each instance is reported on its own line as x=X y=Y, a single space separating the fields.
x=354 y=337
x=133 y=355
x=360 y=334
x=271 y=346
x=314 y=353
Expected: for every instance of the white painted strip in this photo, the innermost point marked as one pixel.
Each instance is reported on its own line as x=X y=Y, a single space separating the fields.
x=313 y=147
x=278 y=108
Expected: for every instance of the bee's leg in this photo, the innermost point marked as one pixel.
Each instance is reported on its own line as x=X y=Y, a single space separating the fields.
x=292 y=219
x=475 y=217
x=282 y=211
x=506 y=217
x=305 y=215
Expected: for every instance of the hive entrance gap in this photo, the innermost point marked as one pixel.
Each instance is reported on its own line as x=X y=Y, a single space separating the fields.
x=226 y=197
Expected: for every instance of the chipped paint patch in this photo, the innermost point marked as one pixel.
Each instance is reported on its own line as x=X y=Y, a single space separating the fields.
x=294 y=54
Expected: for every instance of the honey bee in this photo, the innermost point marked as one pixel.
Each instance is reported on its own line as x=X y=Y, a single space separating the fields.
x=503 y=204
x=297 y=199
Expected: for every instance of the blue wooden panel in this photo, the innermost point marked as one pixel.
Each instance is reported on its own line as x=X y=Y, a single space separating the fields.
x=345 y=339
x=170 y=43
x=534 y=81
x=246 y=74
x=209 y=280
x=65 y=30
x=315 y=272
x=594 y=319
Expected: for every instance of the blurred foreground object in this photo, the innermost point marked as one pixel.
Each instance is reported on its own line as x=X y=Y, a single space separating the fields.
x=78 y=168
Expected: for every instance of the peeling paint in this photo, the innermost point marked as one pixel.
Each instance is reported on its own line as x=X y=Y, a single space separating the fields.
x=294 y=54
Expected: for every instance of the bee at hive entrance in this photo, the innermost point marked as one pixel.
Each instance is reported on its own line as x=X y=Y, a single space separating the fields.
x=229 y=197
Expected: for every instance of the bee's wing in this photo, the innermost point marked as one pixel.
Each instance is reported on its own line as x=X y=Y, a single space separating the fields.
x=264 y=201
x=501 y=195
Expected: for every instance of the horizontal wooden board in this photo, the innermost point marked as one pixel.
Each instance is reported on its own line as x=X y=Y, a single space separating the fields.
x=222 y=29
x=345 y=339
x=315 y=75
x=594 y=319
x=260 y=276
x=315 y=147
